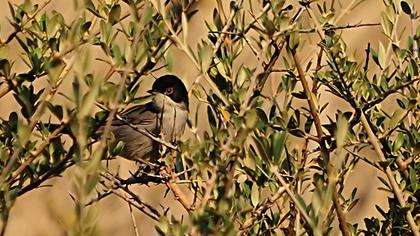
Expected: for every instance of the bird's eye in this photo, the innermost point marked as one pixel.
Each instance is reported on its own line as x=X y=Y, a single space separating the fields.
x=169 y=91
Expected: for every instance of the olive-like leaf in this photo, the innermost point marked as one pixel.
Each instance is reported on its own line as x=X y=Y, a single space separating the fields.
x=406 y=7
x=114 y=14
x=255 y=195
x=205 y=55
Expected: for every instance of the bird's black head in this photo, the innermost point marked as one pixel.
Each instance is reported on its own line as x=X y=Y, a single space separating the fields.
x=171 y=86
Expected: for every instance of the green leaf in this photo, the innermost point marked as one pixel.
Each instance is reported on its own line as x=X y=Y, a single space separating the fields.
x=403 y=103
x=299 y=95
x=184 y=22
x=255 y=194
x=5 y=68
x=269 y=26
x=86 y=26
x=297 y=132
x=261 y=147
x=54 y=69
x=374 y=56
x=302 y=202
x=169 y=58
x=89 y=5
x=342 y=129
x=387 y=25
x=382 y=55
x=106 y=31
x=54 y=24
x=117 y=55
x=413 y=179
x=294 y=39
x=413 y=68
x=132 y=29
x=205 y=56
x=147 y=15
x=396 y=119
x=262 y=116
x=398 y=51
x=23 y=133
x=118 y=148
x=57 y=110
x=114 y=14
x=308 y=124
x=26 y=97
x=384 y=182
x=11 y=9
x=416 y=149
x=278 y=140
x=245 y=190
x=27 y=6
x=251 y=119
x=399 y=141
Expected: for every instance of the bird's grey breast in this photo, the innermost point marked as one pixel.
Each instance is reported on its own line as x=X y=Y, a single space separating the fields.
x=173 y=122
x=173 y=116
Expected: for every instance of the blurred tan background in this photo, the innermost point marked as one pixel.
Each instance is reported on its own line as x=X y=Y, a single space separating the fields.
x=47 y=210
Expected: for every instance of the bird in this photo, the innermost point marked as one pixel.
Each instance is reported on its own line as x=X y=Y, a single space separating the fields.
x=165 y=116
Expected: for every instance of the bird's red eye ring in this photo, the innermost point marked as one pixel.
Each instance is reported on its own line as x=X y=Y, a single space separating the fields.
x=169 y=91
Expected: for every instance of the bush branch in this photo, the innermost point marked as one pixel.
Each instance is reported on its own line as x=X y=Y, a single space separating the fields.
x=395 y=187
x=314 y=111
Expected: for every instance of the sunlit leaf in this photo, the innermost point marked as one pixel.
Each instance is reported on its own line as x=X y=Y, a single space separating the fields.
x=255 y=194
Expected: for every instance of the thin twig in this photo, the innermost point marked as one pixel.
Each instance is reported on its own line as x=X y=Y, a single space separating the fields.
x=178 y=194
x=318 y=27
x=324 y=151
x=395 y=187
x=188 y=52
x=311 y=100
x=133 y=202
x=302 y=209
x=5 y=223
x=348 y=9
x=211 y=183
x=48 y=95
x=342 y=27
x=116 y=184
x=53 y=171
x=38 y=10
x=366 y=66
x=263 y=208
x=221 y=10
x=251 y=25
x=133 y=219
x=225 y=29
x=34 y=154
x=388 y=93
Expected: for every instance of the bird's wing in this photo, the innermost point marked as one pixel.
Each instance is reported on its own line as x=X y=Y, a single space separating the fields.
x=143 y=115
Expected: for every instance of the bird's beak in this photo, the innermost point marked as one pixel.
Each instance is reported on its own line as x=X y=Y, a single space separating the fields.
x=151 y=91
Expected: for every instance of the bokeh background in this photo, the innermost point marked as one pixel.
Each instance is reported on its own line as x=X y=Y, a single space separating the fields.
x=48 y=210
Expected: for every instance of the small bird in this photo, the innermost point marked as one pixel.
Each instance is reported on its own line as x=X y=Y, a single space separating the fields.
x=166 y=115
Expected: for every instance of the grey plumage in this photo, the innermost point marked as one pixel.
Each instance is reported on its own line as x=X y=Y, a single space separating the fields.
x=165 y=117
x=137 y=146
